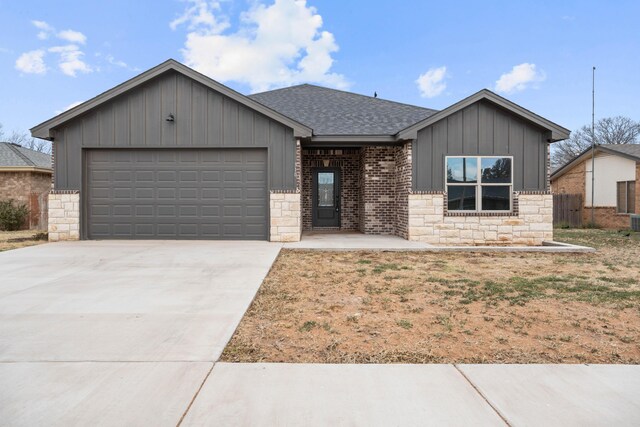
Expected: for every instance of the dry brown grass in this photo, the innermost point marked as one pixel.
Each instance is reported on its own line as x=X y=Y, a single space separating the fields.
x=20 y=239
x=413 y=307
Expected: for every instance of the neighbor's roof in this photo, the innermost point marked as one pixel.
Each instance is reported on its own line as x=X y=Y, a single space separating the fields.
x=335 y=112
x=629 y=151
x=15 y=157
x=632 y=150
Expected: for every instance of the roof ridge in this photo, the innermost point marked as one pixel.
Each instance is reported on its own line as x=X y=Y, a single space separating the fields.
x=349 y=93
x=20 y=154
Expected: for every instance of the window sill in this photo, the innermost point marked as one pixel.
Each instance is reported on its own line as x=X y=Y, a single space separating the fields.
x=481 y=214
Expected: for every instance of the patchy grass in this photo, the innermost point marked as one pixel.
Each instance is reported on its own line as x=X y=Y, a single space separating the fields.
x=20 y=239
x=415 y=307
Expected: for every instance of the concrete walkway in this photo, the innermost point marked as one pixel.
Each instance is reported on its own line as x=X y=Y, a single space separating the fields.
x=118 y=333
x=350 y=241
x=438 y=395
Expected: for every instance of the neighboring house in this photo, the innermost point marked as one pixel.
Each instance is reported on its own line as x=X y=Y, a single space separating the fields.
x=172 y=154
x=617 y=183
x=25 y=176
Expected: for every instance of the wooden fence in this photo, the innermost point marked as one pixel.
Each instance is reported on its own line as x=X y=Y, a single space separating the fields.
x=567 y=209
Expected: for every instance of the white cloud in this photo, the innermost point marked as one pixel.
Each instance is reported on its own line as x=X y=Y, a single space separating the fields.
x=69 y=55
x=276 y=45
x=200 y=16
x=72 y=36
x=519 y=78
x=68 y=107
x=45 y=29
x=432 y=82
x=32 y=62
x=70 y=61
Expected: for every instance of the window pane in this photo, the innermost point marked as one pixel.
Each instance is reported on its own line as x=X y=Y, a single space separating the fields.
x=461 y=197
x=496 y=198
x=325 y=189
x=496 y=170
x=463 y=169
x=621 y=196
x=631 y=197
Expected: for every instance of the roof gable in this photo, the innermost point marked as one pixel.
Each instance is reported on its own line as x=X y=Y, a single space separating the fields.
x=331 y=112
x=628 y=151
x=558 y=133
x=43 y=130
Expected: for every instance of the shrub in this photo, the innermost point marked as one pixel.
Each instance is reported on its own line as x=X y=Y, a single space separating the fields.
x=12 y=215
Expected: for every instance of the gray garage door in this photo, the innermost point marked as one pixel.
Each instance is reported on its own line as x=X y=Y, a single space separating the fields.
x=177 y=194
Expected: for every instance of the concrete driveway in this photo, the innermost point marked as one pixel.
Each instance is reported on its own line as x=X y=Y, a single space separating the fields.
x=112 y=333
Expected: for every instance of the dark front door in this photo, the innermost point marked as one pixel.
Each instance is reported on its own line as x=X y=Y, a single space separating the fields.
x=326 y=197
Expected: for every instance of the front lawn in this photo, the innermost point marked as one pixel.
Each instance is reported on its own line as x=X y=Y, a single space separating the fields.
x=20 y=239
x=419 y=307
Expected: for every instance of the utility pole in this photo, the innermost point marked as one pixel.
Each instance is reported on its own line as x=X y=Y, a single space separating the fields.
x=593 y=143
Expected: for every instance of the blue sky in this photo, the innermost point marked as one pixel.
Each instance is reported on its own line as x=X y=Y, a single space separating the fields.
x=538 y=54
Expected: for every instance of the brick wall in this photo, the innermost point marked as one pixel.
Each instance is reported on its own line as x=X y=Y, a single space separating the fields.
x=606 y=217
x=403 y=189
x=348 y=161
x=378 y=190
x=572 y=182
x=532 y=225
x=29 y=188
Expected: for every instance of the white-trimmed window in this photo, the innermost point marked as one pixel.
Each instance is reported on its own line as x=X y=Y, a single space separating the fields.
x=626 y=196
x=479 y=183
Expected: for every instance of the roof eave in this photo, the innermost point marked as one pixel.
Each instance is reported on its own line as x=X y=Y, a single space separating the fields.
x=25 y=169
x=44 y=129
x=353 y=138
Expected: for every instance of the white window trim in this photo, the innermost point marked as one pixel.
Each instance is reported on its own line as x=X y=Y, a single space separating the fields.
x=626 y=197
x=479 y=183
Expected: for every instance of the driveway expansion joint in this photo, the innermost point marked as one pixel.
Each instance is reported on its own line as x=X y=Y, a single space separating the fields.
x=195 y=396
x=502 y=417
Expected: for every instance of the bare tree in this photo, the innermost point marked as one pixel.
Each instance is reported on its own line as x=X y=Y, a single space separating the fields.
x=23 y=139
x=610 y=130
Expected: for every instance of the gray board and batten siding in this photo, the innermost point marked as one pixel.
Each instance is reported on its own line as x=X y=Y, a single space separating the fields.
x=203 y=118
x=481 y=129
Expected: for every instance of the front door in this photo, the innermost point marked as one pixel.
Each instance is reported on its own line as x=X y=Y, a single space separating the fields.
x=326 y=197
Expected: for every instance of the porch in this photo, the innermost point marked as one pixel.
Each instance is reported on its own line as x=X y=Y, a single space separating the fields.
x=356 y=189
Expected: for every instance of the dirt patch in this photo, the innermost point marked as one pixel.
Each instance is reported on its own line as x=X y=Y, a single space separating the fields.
x=415 y=307
x=21 y=239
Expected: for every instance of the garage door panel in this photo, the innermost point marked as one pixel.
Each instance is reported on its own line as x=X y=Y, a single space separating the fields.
x=177 y=194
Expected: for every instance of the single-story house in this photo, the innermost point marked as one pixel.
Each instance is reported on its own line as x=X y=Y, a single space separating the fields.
x=616 y=189
x=25 y=176
x=173 y=154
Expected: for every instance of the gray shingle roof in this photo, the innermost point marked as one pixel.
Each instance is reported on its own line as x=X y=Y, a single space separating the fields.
x=335 y=112
x=12 y=155
x=628 y=149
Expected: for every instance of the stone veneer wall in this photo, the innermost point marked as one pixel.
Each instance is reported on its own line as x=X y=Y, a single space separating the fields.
x=377 y=190
x=403 y=189
x=64 y=215
x=533 y=223
x=348 y=161
x=286 y=222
